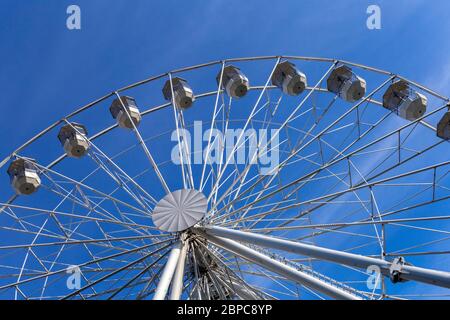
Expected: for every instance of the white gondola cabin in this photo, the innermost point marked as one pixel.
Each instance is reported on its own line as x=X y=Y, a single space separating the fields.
x=24 y=176
x=443 y=128
x=234 y=82
x=73 y=139
x=126 y=112
x=401 y=99
x=289 y=79
x=347 y=85
x=183 y=94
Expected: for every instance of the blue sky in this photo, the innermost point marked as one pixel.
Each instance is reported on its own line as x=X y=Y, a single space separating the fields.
x=47 y=71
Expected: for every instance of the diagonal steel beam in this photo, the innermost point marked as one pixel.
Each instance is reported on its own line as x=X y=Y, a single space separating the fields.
x=407 y=272
x=278 y=267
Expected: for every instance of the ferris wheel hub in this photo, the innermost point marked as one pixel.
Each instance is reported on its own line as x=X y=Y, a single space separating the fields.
x=180 y=210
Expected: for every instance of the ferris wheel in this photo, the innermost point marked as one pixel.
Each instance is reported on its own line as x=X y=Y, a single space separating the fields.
x=274 y=177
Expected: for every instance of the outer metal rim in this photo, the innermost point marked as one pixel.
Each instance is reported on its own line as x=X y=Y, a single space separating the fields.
x=217 y=62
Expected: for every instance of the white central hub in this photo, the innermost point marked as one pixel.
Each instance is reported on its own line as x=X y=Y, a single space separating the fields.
x=180 y=210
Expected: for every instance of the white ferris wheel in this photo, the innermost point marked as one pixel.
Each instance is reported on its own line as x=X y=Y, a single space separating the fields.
x=274 y=177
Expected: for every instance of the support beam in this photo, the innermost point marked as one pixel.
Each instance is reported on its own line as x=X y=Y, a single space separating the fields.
x=167 y=275
x=239 y=289
x=280 y=268
x=177 y=285
x=406 y=272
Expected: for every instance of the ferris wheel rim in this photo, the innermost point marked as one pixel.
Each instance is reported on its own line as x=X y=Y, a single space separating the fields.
x=211 y=63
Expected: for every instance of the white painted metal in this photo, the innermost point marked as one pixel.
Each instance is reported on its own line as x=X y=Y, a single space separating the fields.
x=145 y=148
x=177 y=285
x=434 y=277
x=180 y=210
x=235 y=206
x=167 y=275
x=280 y=268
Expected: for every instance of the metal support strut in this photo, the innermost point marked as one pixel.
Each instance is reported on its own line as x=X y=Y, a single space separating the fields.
x=406 y=272
x=177 y=285
x=167 y=275
x=279 y=268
